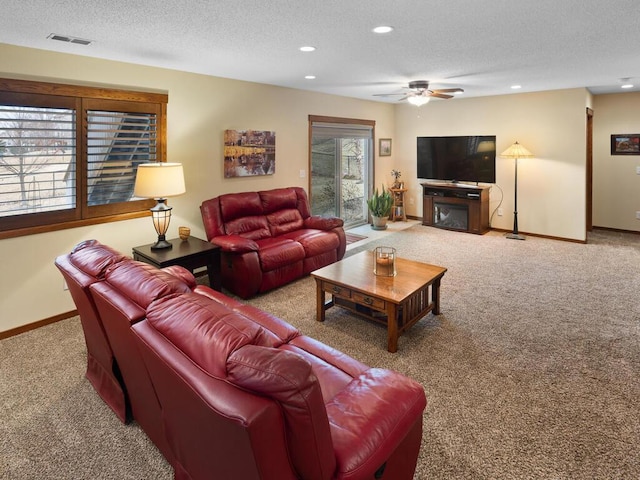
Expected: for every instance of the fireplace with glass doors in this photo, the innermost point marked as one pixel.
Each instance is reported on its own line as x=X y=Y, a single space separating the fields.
x=456 y=206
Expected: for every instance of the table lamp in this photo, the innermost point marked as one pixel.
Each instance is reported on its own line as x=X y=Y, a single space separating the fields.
x=158 y=181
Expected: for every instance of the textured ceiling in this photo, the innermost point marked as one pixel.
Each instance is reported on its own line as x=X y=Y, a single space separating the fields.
x=483 y=47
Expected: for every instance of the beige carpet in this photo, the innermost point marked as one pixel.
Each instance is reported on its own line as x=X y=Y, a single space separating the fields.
x=531 y=371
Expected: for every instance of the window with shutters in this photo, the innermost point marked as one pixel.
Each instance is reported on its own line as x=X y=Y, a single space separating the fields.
x=69 y=155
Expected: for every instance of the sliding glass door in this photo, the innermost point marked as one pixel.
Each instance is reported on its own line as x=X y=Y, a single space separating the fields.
x=341 y=162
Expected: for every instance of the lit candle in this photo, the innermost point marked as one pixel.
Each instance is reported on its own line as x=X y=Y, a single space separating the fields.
x=384 y=259
x=384 y=264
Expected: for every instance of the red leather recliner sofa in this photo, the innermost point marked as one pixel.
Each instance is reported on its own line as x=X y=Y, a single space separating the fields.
x=83 y=266
x=269 y=238
x=235 y=392
x=93 y=272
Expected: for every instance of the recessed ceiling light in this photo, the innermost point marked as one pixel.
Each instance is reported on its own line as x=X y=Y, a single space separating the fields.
x=310 y=77
x=383 y=29
x=516 y=87
x=627 y=85
x=308 y=48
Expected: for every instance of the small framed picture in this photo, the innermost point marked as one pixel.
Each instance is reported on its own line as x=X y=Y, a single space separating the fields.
x=625 y=144
x=384 y=148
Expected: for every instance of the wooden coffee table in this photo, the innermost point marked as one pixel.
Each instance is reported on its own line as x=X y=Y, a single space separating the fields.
x=397 y=302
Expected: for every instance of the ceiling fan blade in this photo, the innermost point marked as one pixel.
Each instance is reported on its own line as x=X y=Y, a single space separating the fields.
x=405 y=97
x=448 y=90
x=440 y=95
x=387 y=94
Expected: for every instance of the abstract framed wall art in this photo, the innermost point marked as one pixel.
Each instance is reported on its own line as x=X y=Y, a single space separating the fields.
x=625 y=144
x=249 y=152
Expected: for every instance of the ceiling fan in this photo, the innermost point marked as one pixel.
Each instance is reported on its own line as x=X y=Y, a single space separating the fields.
x=421 y=93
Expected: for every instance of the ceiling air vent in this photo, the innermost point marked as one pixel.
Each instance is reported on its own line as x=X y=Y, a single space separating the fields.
x=65 y=38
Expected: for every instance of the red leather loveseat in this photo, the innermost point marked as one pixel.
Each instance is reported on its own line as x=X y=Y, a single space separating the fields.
x=230 y=391
x=270 y=238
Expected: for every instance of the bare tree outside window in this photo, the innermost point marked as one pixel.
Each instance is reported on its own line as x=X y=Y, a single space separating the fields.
x=37 y=159
x=69 y=154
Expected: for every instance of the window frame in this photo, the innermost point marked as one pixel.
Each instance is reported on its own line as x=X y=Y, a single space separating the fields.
x=82 y=98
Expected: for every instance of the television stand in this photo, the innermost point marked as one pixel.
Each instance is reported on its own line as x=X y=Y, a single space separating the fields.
x=456 y=206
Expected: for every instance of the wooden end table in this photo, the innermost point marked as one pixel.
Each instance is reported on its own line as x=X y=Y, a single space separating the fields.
x=397 y=302
x=397 y=210
x=191 y=254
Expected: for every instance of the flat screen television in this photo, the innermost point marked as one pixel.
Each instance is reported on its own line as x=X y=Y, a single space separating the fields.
x=469 y=158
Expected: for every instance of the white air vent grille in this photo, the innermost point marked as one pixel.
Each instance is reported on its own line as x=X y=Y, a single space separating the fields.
x=65 y=38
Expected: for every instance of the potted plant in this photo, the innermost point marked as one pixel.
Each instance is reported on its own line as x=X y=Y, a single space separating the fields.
x=380 y=204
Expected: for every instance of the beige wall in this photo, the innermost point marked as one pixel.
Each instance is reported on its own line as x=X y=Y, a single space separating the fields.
x=200 y=108
x=551 y=186
x=616 y=185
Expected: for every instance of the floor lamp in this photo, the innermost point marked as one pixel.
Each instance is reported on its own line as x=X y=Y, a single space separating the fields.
x=158 y=181
x=516 y=151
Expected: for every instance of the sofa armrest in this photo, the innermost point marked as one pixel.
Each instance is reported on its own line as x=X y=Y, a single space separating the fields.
x=235 y=243
x=217 y=296
x=182 y=273
x=371 y=417
x=323 y=223
x=288 y=379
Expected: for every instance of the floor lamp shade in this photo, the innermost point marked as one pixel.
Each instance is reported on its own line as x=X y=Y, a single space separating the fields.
x=516 y=151
x=159 y=181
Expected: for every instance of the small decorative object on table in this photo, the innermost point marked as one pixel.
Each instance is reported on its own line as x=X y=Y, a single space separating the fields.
x=184 y=232
x=384 y=261
x=396 y=174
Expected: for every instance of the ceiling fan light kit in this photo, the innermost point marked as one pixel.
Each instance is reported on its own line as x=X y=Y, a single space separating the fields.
x=418 y=100
x=421 y=93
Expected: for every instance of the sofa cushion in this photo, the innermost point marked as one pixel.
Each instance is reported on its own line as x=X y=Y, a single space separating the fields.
x=285 y=221
x=143 y=283
x=314 y=242
x=279 y=252
x=278 y=199
x=252 y=227
x=238 y=205
x=204 y=333
x=205 y=330
x=278 y=327
x=93 y=258
x=183 y=274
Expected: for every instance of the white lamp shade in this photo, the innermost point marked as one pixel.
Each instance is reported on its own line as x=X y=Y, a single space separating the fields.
x=516 y=151
x=418 y=100
x=159 y=180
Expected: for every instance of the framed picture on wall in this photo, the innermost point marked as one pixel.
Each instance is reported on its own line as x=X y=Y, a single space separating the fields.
x=384 y=147
x=625 y=144
x=249 y=152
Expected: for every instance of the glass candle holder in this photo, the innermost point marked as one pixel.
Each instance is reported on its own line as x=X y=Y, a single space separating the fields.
x=384 y=261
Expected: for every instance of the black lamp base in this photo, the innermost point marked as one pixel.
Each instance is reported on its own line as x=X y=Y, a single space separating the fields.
x=161 y=244
x=515 y=236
